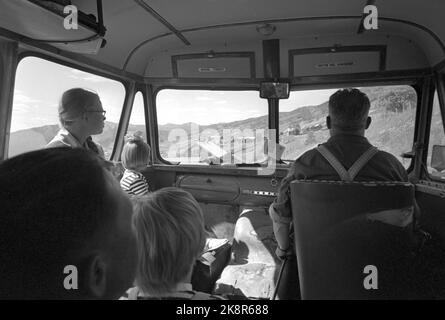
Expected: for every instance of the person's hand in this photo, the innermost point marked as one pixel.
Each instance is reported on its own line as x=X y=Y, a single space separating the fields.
x=282 y=254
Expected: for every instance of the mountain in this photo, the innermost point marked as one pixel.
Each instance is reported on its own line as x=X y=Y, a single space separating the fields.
x=392 y=109
x=31 y=139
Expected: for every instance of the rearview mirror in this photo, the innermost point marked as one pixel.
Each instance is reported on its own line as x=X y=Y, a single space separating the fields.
x=274 y=90
x=438 y=158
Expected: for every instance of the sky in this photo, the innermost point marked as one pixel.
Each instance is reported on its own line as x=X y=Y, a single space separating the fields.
x=40 y=84
x=208 y=107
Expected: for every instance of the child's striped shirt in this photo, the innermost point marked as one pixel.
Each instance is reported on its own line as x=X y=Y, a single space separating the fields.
x=134 y=183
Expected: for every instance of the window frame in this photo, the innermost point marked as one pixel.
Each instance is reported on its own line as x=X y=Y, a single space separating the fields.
x=190 y=87
x=139 y=89
x=88 y=69
x=439 y=88
x=416 y=84
x=412 y=79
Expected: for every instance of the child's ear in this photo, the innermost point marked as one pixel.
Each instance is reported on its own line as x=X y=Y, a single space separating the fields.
x=96 y=276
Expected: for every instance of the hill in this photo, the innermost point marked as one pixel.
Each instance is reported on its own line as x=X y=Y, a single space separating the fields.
x=392 y=110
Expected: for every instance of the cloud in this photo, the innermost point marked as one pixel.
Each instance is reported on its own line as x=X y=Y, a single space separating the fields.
x=208 y=107
x=84 y=76
x=203 y=98
x=23 y=103
x=22 y=98
x=21 y=108
x=166 y=100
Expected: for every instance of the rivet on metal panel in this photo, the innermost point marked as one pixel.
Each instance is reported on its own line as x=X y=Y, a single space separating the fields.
x=273 y=182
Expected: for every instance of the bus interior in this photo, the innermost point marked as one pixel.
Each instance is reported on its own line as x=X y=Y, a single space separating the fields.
x=207 y=83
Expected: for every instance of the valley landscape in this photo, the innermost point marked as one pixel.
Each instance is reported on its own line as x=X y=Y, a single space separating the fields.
x=392 y=129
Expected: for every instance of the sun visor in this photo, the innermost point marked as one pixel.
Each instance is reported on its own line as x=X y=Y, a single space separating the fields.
x=48 y=22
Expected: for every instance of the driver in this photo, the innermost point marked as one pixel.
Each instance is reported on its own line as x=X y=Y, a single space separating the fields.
x=347 y=121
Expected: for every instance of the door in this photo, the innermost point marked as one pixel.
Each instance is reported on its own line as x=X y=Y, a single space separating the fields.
x=430 y=195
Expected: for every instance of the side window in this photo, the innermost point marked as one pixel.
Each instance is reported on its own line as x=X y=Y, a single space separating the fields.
x=436 y=146
x=393 y=108
x=137 y=117
x=211 y=126
x=39 y=85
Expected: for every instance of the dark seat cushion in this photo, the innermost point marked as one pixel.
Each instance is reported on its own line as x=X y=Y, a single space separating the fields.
x=335 y=240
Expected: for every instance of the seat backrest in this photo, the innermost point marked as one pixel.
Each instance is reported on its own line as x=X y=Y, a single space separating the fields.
x=335 y=238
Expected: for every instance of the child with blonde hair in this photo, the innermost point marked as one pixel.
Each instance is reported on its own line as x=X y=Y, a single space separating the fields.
x=170 y=236
x=135 y=157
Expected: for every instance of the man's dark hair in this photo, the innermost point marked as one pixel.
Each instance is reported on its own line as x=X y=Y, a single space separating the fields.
x=53 y=202
x=349 y=109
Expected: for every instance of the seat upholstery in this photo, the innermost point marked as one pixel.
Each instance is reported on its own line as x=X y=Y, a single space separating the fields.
x=335 y=239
